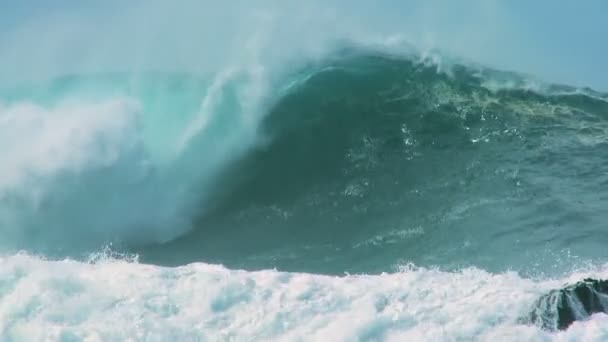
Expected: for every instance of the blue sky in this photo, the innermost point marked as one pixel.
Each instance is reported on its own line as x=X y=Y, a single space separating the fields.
x=566 y=38
x=562 y=41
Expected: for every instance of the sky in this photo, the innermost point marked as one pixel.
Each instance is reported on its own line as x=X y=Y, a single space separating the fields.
x=562 y=41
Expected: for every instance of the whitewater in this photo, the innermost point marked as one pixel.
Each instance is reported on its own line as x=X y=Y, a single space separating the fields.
x=296 y=172
x=120 y=300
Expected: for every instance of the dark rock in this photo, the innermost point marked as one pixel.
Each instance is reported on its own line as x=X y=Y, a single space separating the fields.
x=558 y=309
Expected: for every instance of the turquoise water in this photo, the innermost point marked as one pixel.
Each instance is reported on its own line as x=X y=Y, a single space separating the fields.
x=365 y=163
x=366 y=192
x=379 y=161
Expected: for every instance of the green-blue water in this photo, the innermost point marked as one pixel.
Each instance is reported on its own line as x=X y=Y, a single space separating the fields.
x=362 y=163
x=377 y=161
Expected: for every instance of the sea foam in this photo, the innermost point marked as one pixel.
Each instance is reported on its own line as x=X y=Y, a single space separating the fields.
x=122 y=300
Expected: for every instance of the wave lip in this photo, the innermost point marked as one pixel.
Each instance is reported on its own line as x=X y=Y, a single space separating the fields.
x=117 y=158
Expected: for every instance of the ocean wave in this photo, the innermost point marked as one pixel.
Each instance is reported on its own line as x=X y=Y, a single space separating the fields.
x=180 y=168
x=315 y=170
x=371 y=145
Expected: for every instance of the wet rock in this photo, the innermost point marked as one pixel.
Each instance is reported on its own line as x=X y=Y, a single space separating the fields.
x=558 y=309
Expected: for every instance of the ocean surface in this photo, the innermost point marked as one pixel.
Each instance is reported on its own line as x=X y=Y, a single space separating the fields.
x=368 y=193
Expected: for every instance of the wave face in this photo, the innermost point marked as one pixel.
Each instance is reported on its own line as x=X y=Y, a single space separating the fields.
x=370 y=161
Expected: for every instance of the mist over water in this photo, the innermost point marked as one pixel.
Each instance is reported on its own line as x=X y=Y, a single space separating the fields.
x=206 y=36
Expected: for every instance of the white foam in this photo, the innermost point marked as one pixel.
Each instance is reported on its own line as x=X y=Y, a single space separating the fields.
x=78 y=172
x=39 y=142
x=119 y=300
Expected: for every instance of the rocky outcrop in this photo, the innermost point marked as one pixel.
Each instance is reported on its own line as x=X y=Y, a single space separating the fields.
x=558 y=309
